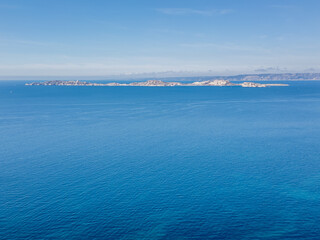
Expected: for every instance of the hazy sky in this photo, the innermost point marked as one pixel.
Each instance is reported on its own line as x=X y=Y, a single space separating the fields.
x=105 y=37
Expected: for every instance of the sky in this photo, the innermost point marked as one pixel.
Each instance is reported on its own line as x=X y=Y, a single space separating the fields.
x=100 y=38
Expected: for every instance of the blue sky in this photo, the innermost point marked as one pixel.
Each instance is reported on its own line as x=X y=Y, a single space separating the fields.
x=186 y=37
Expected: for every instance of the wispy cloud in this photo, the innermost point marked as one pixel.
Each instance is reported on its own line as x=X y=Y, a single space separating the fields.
x=28 y=42
x=109 y=24
x=283 y=7
x=224 y=46
x=271 y=70
x=8 y=6
x=190 y=11
x=36 y=43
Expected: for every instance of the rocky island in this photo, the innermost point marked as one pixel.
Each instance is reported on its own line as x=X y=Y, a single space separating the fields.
x=154 y=83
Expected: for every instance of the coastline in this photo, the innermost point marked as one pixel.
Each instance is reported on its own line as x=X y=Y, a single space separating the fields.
x=158 y=83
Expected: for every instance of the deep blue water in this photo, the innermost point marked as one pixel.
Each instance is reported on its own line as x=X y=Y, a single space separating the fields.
x=159 y=163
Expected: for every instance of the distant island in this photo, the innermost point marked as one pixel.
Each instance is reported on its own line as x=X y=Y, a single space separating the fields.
x=154 y=83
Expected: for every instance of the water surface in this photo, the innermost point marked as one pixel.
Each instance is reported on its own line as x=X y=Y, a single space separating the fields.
x=159 y=162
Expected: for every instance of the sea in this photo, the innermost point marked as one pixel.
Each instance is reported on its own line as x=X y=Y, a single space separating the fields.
x=159 y=162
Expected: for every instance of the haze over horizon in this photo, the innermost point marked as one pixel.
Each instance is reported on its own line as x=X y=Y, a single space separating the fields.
x=46 y=39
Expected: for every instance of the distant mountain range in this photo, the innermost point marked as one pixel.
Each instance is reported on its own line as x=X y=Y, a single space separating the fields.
x=255 y=77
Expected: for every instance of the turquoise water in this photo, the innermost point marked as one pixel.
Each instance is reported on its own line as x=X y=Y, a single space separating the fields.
x=159 y=163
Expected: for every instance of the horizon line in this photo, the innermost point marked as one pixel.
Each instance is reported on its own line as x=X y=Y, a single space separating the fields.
x=142 y=76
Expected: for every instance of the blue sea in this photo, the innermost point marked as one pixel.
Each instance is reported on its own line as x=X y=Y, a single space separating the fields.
x=159 y=162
